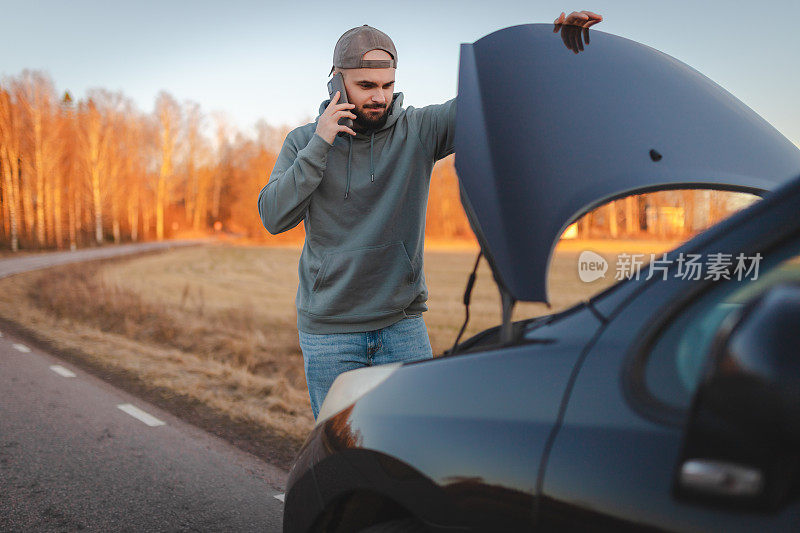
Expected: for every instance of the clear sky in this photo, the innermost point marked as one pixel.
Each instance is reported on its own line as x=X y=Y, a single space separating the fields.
x=261 y=59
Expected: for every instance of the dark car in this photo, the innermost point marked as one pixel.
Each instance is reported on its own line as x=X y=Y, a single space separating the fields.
x=667 y=402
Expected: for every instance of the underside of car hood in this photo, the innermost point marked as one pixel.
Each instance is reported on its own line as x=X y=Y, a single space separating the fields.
x=544 y=135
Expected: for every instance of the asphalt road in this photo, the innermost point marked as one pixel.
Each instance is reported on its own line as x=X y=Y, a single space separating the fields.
x=15 y=265
x=77 y=454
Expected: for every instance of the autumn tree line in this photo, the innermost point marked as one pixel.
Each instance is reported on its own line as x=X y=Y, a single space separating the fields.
x=79 y=173
x=83 y=173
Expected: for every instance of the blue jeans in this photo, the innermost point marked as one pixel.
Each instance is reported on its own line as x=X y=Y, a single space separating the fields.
x=326 y=356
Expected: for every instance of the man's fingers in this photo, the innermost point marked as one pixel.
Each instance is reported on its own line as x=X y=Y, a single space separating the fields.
x=343 y=113
x=345 y=128
x=559 y=20
x=334 y=99
x=574 y=22
x=568 y=36
x=591 y=19
x=334 y=109
x=565 y=38
x=576 y=18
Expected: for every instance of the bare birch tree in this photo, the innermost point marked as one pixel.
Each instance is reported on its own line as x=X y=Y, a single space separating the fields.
x=194 y=120
x=94 y=141
x=7 y=155
x=168 y=115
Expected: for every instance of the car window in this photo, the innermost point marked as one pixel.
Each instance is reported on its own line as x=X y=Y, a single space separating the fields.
x=676 y=359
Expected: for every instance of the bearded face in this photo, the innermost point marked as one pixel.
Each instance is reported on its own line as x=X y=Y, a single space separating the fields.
x=371 y=116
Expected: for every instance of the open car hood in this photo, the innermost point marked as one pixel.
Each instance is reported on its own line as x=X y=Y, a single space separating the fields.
x=544 y=135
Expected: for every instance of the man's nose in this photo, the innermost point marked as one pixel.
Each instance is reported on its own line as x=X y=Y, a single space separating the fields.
x=378 y=97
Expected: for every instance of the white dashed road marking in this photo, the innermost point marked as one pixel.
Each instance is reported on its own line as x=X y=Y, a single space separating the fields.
x=61 y=371
x=138 y=414
x=22 y=348
x=280 y=496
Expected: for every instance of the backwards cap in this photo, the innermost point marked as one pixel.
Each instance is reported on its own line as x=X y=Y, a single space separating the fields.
x=351 y=47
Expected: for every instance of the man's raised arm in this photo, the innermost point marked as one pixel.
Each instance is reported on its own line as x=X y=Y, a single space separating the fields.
x=437 y=127
x=437 y=122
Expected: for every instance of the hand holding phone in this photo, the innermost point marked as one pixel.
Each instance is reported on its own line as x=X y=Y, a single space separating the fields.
x=328 y=125
x=336 y=83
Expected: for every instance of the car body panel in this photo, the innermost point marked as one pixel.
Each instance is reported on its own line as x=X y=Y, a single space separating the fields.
x=473 y=424
x=633 y=448
x=457 y=451
x=544 y=135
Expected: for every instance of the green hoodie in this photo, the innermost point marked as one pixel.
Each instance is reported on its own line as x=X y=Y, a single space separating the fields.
x=363 y=202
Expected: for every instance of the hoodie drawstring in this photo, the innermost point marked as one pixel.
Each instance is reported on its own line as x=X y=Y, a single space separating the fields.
x=350 y=157
x=371 y=168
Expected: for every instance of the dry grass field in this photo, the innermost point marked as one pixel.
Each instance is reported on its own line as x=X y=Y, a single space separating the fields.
x=216 y=324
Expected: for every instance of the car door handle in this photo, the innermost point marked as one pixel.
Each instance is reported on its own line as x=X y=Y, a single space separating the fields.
x=720 y=478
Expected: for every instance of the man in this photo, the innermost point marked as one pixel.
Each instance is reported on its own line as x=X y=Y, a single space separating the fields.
x=362 y=194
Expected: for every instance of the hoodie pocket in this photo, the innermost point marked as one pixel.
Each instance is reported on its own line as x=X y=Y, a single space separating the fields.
x=368 y=281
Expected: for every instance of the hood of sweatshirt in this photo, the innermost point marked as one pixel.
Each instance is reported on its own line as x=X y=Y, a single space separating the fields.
x=395 y=110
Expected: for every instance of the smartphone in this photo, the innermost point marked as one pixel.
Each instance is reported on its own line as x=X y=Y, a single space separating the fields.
x=336 y=83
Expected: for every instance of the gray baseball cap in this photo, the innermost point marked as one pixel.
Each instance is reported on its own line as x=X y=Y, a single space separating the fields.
x=351 y=47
